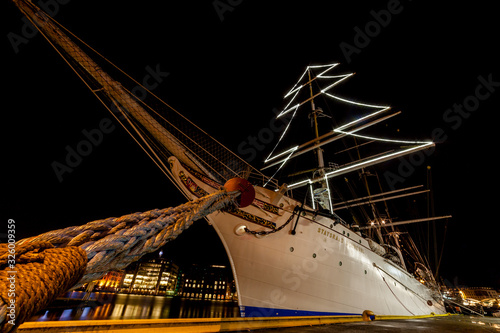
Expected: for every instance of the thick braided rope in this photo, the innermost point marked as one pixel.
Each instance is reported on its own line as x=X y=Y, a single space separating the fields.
x=41 y=273
x=114 y=243
x=56 y=261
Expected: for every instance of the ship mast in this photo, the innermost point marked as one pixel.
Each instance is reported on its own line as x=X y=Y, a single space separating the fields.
x=322 y=192
x=314 y=115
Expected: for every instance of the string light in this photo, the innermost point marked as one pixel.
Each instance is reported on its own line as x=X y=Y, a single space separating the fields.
x=329 y=194
x=291 y=152
x=356 y=103
x=362 y=118
x=381 y=139
x=380 y=158
x=336 y=82
x=330 y=67
x=321 y=66
x=288 y=110
x=331 y=76
x=291 y=100
x=300 y=183
x=312 y=196
x=281 y=138
x=300 y=79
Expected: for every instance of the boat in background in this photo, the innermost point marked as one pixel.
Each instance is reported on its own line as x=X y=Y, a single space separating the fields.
x=291 y=252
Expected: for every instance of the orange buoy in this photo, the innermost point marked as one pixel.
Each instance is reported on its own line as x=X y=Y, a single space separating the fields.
x=247 y=191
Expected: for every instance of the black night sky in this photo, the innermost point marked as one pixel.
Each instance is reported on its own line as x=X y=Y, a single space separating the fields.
x=229 y=63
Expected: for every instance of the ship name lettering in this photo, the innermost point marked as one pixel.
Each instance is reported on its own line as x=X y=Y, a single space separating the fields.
x=356 y=247
x=340 y=239
x=328 y=234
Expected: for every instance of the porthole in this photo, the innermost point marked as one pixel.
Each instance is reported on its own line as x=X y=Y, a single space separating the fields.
x=291 y=249
x=314 y=255
x=343 y=232
x=366 y=272
x=347 y=234
x=340 y=263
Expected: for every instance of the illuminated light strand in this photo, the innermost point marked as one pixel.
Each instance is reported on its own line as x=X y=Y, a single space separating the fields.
x=312 y=196
x=321 y=66
x=338 y=130
x=326 y=70
x=291 y=100
x=296 y=106
x=286 y=129
x=297 y=184
x=292 y=150
x=331 y=76
x=295 y=85
x=360 y=165
x=362 y=118
x=281 y=138
x=289 y=153
x=385 y=157
x=329 y=194
x=356 y=103
x=323 y=91
x=285 y=108
x=294 y=90
x=331 y=66
x=381 y=139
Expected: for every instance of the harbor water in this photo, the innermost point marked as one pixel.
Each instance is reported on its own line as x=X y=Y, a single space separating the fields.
x=110 y=306
x=126 y=306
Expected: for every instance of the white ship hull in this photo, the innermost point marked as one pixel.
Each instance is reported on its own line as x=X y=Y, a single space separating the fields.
x=324 y=269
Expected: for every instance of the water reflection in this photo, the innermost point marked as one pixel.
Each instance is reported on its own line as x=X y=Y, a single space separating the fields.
x=124 y=306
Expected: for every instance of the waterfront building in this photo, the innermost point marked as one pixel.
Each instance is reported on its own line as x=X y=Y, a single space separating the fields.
x=153 y=277
x=479 y=293
x=207 y=282
x=110 y=282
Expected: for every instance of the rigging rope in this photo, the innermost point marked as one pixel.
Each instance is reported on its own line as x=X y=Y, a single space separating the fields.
x=53 y=262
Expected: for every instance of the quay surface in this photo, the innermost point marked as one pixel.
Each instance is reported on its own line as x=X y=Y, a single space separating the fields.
x=441 y=323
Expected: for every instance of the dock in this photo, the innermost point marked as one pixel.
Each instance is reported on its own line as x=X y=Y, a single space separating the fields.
x=199 y=325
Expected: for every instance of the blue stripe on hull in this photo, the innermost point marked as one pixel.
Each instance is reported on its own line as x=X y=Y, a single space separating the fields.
x=252 y=311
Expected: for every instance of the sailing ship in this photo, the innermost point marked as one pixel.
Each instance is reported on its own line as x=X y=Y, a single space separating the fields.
x=290 y=252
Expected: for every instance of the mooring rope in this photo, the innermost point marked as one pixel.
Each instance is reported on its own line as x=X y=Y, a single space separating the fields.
x=41 y=273
x=59 y=260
